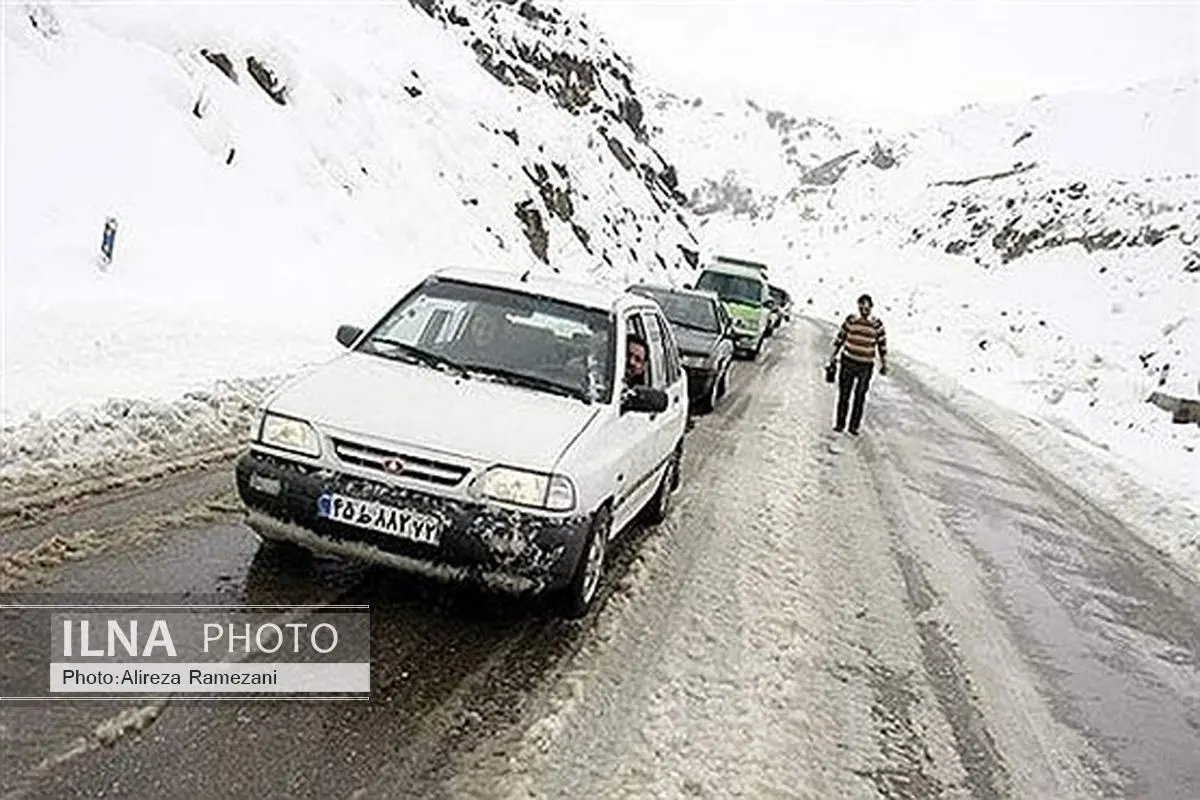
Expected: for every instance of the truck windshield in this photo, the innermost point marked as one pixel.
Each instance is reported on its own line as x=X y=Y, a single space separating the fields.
x=732 y=288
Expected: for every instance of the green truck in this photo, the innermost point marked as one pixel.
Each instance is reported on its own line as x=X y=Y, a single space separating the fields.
x=742 y=262
x=745 y=293
x=774 y=311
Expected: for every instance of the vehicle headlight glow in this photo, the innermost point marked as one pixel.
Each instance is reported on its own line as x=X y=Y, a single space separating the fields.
x=524 y=488
x=288 y=433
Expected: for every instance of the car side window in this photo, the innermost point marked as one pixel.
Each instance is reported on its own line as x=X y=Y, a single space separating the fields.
x=635 y=327
x=670 y=350
x=656 y=366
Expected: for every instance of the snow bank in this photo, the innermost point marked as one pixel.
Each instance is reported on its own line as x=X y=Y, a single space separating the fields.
x=1053 y=274
x=275 y=172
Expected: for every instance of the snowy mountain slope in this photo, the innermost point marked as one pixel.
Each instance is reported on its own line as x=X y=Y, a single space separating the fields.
x=738 y=157
x=275 y=172
x=1109 y=191
x=1143 y=131
x=1055 y=273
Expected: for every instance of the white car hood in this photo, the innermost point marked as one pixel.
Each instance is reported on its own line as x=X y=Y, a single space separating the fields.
x=416 y=405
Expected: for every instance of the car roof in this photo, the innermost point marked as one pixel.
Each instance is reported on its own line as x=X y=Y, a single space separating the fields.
x=735 y=269
x=743 y=262
x=590 y=295
x=653 y=287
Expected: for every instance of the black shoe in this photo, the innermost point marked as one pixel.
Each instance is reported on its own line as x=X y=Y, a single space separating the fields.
x=853 y=432
x=838 y=429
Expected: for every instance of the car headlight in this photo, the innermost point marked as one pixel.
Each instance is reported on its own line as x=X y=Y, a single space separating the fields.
x=524 y=488
x=289 y=433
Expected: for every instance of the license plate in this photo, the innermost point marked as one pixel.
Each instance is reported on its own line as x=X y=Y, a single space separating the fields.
x=373 y=516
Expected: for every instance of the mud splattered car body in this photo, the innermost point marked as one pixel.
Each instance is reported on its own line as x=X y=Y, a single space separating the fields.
x=508 y=459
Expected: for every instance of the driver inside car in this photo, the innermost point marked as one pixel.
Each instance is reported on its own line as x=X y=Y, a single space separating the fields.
x=481 y=340
x=635 y=361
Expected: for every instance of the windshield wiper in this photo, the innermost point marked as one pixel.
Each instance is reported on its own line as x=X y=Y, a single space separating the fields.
x=422 y=356
x=530 y=381
x=693 y=326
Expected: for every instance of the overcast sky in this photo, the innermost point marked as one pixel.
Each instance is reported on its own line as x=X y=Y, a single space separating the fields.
x=900 y=62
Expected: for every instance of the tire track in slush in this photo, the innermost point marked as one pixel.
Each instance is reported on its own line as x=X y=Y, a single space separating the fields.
x=512 y=697
x=473 y=658
x=1068 y=613
x=789 y=630
x=741 y=662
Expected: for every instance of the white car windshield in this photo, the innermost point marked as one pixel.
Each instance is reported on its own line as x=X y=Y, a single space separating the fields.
x=487 y=333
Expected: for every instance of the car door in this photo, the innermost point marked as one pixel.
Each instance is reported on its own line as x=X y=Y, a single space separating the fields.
x=669 y=425
x=725 y=345
x=634 y=434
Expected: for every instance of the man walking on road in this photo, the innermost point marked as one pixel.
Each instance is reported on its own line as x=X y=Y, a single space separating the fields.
x=861 y=335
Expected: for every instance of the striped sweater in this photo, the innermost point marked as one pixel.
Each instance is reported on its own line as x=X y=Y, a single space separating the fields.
x=860 y=337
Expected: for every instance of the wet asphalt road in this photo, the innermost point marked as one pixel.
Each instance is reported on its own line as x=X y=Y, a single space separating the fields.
x=919 y=615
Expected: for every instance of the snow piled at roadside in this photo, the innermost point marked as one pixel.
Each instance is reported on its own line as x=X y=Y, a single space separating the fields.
x=276 y=172
x=1066 y=293
x=124 y=441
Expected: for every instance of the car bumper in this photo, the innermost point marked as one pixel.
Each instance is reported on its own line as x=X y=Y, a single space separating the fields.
x=746 y=342
x=504 y=549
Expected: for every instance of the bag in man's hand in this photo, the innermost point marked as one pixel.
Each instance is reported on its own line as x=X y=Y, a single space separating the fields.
x=831 y=372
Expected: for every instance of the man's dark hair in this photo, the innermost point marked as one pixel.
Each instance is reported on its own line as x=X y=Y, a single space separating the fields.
x=633 y=338
x=865 y=298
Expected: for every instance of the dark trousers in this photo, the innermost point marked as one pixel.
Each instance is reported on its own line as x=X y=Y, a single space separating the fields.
x=853 y=377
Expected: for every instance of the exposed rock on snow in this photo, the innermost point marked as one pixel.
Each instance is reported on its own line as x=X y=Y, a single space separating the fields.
x=470 y=133
x=267 y=80
x=1007 y=221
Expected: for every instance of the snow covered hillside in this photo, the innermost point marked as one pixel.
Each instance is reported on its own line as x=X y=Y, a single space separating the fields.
x=274 y=174
x=270 y=168
x=741 y=159
x=1045 y=256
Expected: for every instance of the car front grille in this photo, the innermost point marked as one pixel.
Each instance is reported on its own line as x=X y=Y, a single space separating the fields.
x=417 y=468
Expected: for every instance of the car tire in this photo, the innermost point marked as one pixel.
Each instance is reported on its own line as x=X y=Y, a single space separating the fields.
x=677 y=475
x=660 y=504
x=708 y=401
x=282 y=553
x=577 y=597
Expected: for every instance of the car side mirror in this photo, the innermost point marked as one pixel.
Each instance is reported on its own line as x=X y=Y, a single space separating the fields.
x=348 y=334
x=644 y=400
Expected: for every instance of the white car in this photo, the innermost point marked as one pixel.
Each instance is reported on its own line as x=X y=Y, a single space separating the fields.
x=481 y=430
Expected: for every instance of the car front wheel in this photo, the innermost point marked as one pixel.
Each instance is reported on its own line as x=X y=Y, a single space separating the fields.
x=714 y=394
x=708 y=401
x=579 y=594
x=660 y=504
